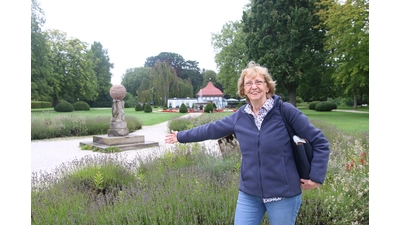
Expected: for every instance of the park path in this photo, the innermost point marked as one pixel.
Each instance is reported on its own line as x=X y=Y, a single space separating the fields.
x=47 y=155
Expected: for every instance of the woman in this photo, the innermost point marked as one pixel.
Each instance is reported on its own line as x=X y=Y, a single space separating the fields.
x=269 y=181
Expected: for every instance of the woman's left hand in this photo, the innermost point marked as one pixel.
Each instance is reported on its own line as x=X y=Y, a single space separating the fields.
x=308 y=184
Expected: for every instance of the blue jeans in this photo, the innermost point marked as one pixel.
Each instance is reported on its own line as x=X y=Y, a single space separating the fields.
x=250 y=210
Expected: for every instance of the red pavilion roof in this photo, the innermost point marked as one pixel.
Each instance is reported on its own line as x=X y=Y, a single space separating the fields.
x=210 y=90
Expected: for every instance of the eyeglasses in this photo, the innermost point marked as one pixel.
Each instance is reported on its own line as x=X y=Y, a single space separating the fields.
x=258 y=83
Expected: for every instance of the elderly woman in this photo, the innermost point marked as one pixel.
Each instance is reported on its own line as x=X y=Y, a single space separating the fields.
x=269 y=180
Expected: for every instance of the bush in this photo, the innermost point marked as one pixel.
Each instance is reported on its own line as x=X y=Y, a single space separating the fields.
x=40 y=104
x=332 y=104
x=183 y=108
x=209 y=108
x=138 y=107
x=64 y=107
x=147 y=108
x=313 y=104
x=179 y=124
x=66 y=126
x=81 y=105
x=129 y=100
x=240 y=104
x=324 y=106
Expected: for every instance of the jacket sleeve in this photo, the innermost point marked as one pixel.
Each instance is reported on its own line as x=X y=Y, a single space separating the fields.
x=213 y=130
x=303 y=128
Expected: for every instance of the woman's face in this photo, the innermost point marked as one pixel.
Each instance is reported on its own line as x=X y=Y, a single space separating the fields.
x=256 y=88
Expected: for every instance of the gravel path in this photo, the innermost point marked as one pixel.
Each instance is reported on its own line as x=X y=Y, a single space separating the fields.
x=47 y=155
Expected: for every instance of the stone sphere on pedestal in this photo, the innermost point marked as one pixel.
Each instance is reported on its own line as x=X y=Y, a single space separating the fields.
x=118 y=91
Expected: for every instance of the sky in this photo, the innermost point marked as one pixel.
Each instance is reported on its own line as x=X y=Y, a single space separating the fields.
x=133 y=30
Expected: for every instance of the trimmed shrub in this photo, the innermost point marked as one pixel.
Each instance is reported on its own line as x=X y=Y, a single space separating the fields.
x=332 y=104
x=313 y=104
x=209 y=108
x=183 y=108
x=138 y=107
x=40 y=104
x=147 y=108
x=64 y=107
x=36 y=105
x=323 y=106
x=81 y=105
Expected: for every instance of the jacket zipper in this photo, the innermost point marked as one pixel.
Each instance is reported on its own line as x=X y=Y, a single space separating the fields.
x=259 y=163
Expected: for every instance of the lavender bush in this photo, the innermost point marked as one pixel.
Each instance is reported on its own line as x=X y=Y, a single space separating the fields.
x=191 y=185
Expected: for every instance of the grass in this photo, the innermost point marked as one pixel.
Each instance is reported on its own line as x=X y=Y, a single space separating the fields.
x=345 y=121
x=148 y=119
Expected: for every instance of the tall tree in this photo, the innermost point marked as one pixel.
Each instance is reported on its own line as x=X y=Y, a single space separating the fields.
x=184 y=69
x=209 y=75
x=281 y=35
x=40 y=67
x=102 y=69
x=191 y=70
x=73 y=75
x=229 y=45
x=347 y=40
x=172 y=59
x=163 y=76
x=144 y=92
x=132 y=78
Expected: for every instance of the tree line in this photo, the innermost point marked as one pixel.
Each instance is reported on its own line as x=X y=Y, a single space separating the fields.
x=314 y=49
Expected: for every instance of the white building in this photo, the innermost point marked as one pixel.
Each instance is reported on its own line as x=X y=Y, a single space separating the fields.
x=207 y=94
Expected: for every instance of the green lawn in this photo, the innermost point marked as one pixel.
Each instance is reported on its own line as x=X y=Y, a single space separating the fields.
x=347 y=121
x=148 y=119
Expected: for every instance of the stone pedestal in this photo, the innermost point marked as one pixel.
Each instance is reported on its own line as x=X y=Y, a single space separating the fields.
x=128 y=142
x=118 y=129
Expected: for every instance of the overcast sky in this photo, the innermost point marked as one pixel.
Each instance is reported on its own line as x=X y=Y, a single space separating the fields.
x=132 y=30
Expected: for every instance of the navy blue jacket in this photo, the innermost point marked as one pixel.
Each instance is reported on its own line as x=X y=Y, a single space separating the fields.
x=268 y=168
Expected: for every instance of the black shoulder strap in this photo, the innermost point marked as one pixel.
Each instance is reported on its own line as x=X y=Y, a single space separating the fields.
x=283 y=115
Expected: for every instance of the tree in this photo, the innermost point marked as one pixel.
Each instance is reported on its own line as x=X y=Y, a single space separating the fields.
x=73 y=75
x=281 y=35
x=163 y=76
x=102 y=69
x=132 y=78
x=144 y=92
x=347 y=39
x=186 y=70
x=230 y=57
x=191 y=70
x=181 y=88
x=40 y=67
x=172 y=59
x=209 y=75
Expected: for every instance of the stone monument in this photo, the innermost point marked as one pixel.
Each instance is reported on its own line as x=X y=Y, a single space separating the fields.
x=118 y=124
x=118 y=134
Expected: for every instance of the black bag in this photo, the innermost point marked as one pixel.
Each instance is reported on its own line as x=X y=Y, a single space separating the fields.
x=303 y=152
